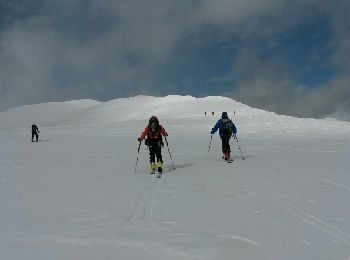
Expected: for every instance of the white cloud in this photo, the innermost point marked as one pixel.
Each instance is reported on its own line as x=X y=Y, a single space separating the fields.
x=105 y=49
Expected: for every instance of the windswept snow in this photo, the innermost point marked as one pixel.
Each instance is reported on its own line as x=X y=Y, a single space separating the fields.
x=74 y=194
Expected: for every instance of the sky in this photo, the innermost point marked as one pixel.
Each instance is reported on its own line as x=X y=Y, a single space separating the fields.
x=289 y=57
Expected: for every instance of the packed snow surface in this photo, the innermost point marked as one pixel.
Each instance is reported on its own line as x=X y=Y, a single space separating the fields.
x=75 y=193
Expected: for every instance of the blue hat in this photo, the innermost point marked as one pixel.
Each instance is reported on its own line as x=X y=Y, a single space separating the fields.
x=224 y=115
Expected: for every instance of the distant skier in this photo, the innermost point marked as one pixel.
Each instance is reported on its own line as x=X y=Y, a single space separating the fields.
x=226 y=130
x=35 y=132
x=154 y=132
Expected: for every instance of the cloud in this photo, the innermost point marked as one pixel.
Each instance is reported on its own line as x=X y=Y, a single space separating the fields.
x=271 y=82
x=290 y=57
x=25 y=65
x=74 y=49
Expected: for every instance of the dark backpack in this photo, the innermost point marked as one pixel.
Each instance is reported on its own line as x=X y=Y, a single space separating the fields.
x=226 y=129
x=157 y=138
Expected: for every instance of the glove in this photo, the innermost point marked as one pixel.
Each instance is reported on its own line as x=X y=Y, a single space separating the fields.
x=234 y=130
x=139 y=139
x=212 y=132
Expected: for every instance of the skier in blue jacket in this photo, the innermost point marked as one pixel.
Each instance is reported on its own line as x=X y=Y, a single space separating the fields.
x=226 y=130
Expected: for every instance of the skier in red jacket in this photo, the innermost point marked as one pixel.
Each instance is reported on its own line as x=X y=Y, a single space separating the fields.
x=154 y=132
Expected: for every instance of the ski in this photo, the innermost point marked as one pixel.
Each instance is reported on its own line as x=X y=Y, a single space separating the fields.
x=230 y=160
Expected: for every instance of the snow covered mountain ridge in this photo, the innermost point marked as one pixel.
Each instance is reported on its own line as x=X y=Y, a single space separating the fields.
x=134 y=108
x=92 y=112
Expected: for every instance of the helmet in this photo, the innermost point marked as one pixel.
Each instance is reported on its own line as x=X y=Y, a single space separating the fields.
x=153 y=119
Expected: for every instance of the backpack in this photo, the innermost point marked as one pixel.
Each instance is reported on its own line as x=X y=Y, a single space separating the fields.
x=226 y=129
x=156 y=138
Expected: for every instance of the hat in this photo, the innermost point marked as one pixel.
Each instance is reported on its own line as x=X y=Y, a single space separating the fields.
x=224 y=115
x=153 y=119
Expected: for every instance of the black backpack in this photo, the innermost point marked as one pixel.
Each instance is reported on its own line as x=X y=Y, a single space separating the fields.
x=226 y=129
x=154 y=127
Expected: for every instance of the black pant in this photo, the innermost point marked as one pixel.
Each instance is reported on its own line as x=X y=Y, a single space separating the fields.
x=36 y=136
x=155 y=151
x=226 y=144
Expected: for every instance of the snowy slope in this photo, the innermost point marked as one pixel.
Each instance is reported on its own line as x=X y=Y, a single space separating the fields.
x=74 y=194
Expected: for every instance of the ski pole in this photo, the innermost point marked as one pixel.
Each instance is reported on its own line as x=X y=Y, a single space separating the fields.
x=211 y=137
x=167 y=144
x=235 y=136
x=137 y=159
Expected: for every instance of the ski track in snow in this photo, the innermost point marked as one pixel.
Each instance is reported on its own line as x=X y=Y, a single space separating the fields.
x=143 y=207
x=320 y=225
x=140 y=199
x=11 y=202
x=246 y=240
x=332 y=183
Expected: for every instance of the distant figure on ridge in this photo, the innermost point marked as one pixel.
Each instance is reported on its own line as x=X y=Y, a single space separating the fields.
x=154 y=132
x=226 y=130
x=35 y=132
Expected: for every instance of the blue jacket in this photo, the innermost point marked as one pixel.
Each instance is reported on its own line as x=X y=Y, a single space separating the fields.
x=219 y=126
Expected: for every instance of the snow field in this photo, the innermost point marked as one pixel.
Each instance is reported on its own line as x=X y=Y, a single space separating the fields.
x=74 y=194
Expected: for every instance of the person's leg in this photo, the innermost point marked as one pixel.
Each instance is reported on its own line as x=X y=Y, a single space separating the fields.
x=226 y=147
x=159 y=159
x=152 y=153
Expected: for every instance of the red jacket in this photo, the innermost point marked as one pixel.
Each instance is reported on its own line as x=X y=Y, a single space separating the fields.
x=150 y=134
